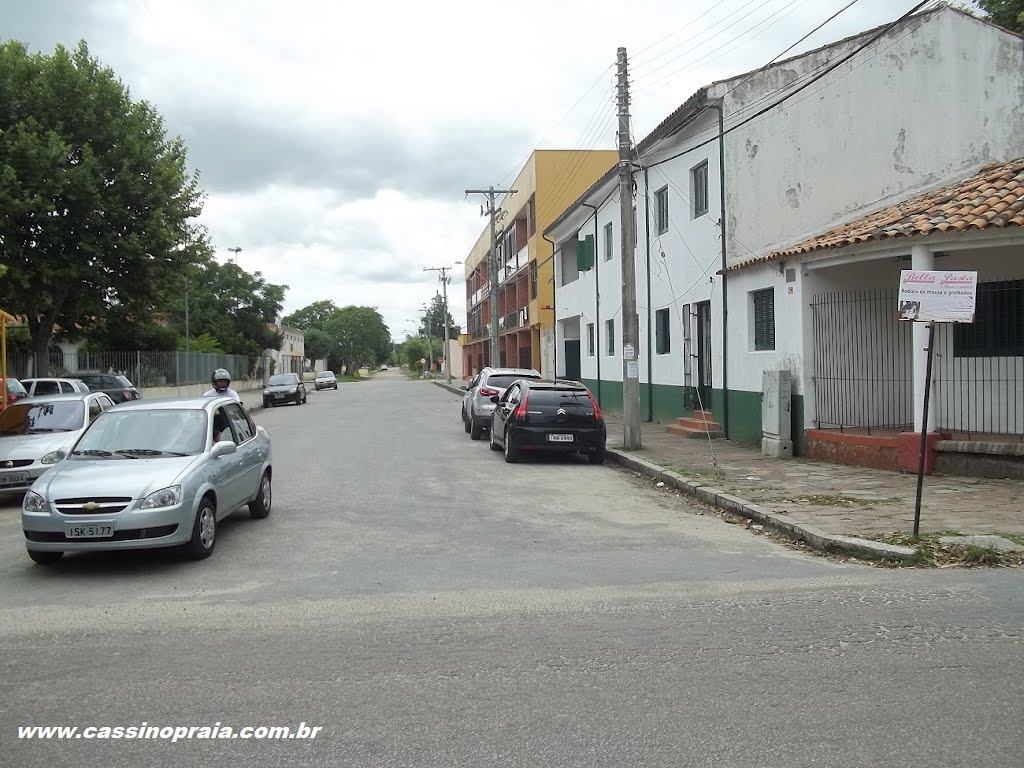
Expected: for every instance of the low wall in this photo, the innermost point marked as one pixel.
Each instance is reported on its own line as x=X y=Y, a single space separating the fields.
x=875 y=451
x=980 y=459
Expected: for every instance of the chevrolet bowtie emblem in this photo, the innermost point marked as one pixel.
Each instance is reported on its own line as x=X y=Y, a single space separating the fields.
x=90 y=506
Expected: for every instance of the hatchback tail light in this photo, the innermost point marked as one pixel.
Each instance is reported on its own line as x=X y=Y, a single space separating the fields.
x=521 y=408
x=488 y=392
x=129 y=395
x=597 y=408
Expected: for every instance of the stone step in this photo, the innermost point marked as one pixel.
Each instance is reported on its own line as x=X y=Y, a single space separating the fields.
x=713 y=431
x=704 y=415
x=701 y=424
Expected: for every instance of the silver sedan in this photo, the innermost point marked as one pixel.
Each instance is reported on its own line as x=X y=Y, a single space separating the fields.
x=34 y=430
x=148 y=474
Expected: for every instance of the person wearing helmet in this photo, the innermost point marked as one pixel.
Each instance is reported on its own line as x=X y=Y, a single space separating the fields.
x=221 y=381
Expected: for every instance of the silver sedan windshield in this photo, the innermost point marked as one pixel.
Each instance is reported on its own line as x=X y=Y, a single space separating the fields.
x=143 y=431
x=39 y=418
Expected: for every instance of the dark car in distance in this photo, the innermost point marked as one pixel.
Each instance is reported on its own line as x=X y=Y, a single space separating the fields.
x=118 y=388
x=284 y=388
x=536 y=416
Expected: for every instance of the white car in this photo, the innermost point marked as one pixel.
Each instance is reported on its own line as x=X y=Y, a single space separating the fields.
x=54 y=386
x=35 y=429
x=325 y=380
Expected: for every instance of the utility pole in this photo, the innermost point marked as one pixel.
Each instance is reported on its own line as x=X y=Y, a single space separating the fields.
x=430 y=347
x=630 y=324
x=493 y=265
x=444 y=287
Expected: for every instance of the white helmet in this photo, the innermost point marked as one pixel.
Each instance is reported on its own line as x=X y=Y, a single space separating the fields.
x=221 y=380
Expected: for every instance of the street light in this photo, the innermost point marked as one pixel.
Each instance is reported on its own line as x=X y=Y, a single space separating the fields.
x=236 y=250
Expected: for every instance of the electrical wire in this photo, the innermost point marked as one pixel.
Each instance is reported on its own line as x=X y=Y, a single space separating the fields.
x=804 y=86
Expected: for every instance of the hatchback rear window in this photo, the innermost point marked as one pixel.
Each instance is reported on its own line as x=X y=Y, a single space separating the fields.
x=559 y=397
x=504 y=380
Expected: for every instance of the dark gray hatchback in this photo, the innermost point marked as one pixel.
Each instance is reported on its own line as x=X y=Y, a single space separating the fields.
x=548 y=416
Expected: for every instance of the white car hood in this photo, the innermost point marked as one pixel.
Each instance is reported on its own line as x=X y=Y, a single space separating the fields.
x=137 y=478
x=34 y=446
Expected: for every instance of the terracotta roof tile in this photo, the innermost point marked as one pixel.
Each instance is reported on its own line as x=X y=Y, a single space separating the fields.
x=994 y=197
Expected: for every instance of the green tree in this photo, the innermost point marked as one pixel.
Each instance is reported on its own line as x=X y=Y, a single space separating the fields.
x=235 y=307
x=438 y=317
x=1005 y=13
x=414 y=350
x=97 y=207
x=318 y=344
x=359 y=337
x=314 y=315
x=204 y=342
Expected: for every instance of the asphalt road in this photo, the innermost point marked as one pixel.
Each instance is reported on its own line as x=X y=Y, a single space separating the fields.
x=425 y=604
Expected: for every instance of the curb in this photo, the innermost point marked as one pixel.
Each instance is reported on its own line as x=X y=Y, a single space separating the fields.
x=812 y=536
x=450 y=387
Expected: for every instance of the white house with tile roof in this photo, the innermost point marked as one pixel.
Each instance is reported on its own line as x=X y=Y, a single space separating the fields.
x=865 y=122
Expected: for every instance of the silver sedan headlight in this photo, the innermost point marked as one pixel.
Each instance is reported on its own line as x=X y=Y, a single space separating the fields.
x=165 y=497
x=34 y=503
x=52 y=457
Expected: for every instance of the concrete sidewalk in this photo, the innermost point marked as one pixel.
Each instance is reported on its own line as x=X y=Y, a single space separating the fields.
x=841 y=500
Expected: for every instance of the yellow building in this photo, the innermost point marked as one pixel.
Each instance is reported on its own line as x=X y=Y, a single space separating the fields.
x=550 y=181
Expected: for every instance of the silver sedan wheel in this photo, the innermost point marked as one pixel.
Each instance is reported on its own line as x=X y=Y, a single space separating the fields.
x=207 y=526
x=265 y=492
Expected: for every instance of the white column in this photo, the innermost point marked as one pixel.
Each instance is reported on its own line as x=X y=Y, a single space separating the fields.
x=921 y=260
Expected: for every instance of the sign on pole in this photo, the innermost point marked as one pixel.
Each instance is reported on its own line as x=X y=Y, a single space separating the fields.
x=937 y=297
x=933 y=296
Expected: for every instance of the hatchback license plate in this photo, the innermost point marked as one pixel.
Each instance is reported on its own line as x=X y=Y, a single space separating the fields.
x=279 y=396
x=560 y=438
x=13 y=478
x=91 y=530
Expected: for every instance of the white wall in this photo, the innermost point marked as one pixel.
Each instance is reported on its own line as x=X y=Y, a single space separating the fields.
x=925 y=105
x=683 y=260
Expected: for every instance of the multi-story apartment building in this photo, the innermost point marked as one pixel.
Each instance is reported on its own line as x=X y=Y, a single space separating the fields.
x=549 y=181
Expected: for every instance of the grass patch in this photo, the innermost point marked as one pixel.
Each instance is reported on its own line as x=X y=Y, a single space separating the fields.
x=932 y=553
x=838 y=500
x=696 y=472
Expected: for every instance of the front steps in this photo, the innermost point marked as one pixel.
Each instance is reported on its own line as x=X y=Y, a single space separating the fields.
x=701 y=425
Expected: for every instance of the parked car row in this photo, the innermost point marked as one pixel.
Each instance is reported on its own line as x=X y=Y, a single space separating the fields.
x=524 y=414
x=118 y=388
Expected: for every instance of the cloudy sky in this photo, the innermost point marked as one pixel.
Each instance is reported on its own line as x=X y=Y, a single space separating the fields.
x=335 y=139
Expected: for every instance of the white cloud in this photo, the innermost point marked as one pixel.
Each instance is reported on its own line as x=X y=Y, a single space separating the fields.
x=336 y=137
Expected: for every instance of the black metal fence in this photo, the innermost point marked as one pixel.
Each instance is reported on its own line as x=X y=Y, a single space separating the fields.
x=863 y=371
x=863 y=365
x=979 y=368
x=162 y=373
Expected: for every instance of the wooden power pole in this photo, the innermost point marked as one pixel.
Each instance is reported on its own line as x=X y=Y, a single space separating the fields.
x=492 y=271
x=630 y=322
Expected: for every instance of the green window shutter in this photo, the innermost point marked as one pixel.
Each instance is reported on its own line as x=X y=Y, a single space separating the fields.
x=585 y=254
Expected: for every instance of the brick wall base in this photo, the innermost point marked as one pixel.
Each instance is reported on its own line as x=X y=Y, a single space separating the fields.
x=875 y=451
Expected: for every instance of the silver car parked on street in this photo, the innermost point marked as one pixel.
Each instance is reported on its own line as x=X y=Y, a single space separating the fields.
x=35 y=430
x=150 y=474
x=476 y=403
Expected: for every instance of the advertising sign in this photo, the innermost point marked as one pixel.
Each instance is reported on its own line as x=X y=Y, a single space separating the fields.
x=937 y=296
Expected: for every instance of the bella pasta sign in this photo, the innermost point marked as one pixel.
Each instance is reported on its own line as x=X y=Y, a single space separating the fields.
x=937 y=297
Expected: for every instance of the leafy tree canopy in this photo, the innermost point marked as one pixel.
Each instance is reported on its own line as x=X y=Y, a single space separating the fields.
x=97 y=207
x=313 y=316
x=437 y=315
x=230 y=305
x=1005 y=13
